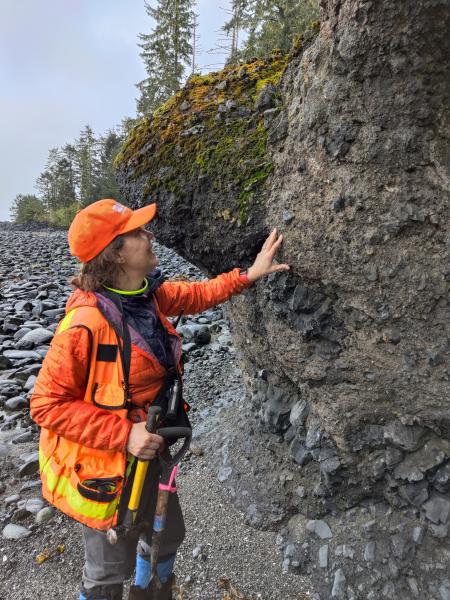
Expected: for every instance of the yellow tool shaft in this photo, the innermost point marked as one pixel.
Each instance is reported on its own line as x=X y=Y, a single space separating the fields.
x=136 y=490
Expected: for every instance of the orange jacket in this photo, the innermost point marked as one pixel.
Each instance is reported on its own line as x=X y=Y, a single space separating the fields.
x=78 y=398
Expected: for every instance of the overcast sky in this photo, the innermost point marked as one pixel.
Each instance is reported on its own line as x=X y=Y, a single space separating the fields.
x=68 y=63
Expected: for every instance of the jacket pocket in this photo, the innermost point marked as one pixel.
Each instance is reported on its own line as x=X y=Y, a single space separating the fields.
x=100 y=489
x=96 y=489
x=108 y=395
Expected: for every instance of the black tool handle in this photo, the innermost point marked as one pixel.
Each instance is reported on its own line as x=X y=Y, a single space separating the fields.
x=176 y=433
x=174 y=400
x=153 y=415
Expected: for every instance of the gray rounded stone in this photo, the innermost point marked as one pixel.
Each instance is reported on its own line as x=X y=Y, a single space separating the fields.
x=12 y=499
x=45 y=515
x=34 y=505
x=31 y=465
x=320 y=528
x=19 y=354
x=4 y=450
x=16 y=402
x=339 y=585
x=30 y=382
x=15 y=532
x=224 y=473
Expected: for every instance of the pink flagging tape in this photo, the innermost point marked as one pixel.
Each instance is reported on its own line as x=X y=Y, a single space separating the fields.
x=170 y=487
x=167 y=488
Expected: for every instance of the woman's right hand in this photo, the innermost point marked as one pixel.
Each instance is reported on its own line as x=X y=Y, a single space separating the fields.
x=142 y=444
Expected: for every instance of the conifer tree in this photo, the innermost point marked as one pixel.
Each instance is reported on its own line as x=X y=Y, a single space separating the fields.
x=27 y=207
x=271 y=23
x=57 y=184
x=126 y=126
x=75 y=175
x=195 y=43
x=239 y=19
x=109 y=147
x=46 y=182
x=69 y=154
x=87 y=166
x=166 y=51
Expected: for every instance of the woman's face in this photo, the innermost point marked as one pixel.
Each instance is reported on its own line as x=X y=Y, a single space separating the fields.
x=137 y=254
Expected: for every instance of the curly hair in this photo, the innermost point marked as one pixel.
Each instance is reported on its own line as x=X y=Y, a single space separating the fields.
x=101 y=270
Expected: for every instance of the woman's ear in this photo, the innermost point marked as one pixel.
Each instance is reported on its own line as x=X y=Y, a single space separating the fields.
x=119 y=259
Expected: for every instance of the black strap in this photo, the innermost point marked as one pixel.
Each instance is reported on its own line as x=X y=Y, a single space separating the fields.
x=123 y=339
x=169 y=379
x=178 y=318
x=126 y=355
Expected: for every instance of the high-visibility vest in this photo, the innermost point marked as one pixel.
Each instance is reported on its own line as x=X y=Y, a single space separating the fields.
x=86 y=483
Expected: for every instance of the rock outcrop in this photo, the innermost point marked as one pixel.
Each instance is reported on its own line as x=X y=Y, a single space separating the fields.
x=202 y=156
x=346 y=425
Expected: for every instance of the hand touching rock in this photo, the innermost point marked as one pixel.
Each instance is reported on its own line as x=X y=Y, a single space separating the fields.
x=263 y=264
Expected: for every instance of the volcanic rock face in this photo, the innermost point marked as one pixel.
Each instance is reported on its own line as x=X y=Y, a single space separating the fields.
x=346 y=356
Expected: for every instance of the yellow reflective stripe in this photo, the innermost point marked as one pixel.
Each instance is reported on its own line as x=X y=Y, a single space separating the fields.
x=130 y=462
x=63 y=486
x=65 y=323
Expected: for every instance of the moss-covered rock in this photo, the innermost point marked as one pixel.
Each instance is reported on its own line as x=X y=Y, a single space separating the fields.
x=205 y=148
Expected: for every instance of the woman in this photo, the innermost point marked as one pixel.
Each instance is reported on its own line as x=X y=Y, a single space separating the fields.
x=106 y=364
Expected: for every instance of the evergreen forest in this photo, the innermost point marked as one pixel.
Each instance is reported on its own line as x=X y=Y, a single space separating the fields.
x=81 y=171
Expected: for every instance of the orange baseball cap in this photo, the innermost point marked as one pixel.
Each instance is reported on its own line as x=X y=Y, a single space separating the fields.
x=94 y=227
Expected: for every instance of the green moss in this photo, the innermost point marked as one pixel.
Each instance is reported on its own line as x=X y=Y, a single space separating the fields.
x=133 y=141
x=167 y=105
x=231 y=152
x=303 y=40
x=246 y=197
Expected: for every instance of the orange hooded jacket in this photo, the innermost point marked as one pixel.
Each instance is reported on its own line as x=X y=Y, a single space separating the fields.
x=78 y=397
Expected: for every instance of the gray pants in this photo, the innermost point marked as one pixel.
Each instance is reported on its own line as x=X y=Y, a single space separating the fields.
x=107 y=564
